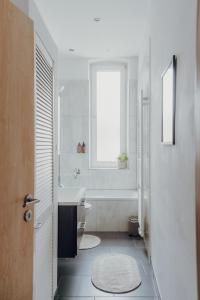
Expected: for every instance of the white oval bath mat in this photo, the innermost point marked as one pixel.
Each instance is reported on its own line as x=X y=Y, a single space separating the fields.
x=89 y=241
x=115 y=273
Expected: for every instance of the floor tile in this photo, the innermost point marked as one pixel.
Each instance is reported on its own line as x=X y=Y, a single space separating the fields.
x=115 y=239
x=75 y=273
x=91 y=254
x=138 y=243
x=146 y=289
x=75 y=268
x=76 y=286
x=137 y=253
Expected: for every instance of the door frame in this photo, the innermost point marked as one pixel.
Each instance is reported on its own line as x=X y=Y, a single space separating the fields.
x=42 y=32
x=197 y=145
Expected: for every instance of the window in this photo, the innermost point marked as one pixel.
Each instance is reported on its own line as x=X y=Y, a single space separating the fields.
x=107 y=114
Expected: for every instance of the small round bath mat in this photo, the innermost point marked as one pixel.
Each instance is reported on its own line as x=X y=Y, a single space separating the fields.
x=89 y=241
x=116 y=273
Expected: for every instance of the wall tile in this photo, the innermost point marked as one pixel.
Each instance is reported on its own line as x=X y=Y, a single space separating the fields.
x=132 y=135
x=68 y=180
x=70 y=161
x=75 y=98
x=132 y=96
x=75 y=128
x=66 y=138
x=73 y=131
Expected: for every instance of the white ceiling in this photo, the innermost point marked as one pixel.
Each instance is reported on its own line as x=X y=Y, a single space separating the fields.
x=71 y=24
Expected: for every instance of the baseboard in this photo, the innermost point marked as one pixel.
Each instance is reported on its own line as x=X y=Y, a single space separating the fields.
x=156 y=284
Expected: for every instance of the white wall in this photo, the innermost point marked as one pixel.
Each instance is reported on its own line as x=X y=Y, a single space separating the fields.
x=22 y=5
x=73 y=75
x=172 y=28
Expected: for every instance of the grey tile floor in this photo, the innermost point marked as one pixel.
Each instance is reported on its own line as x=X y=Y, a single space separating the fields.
x=74 y=275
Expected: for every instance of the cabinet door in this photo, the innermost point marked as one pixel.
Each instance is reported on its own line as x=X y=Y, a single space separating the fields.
x=67 y=231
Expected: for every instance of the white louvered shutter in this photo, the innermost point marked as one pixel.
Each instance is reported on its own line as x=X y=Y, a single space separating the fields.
x=43 y=256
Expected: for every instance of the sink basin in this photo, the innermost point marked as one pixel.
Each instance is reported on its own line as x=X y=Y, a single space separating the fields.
x=70 y=196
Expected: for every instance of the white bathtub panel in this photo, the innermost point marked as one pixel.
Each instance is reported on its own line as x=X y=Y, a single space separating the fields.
x=108 y=215
x=91 y=224
x=127 y=209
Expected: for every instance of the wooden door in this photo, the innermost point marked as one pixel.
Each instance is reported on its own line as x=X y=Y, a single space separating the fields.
x=197 y=131
x=16 y=152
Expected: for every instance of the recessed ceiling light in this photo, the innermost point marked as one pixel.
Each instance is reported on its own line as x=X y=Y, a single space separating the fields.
x=97 y=19
x=71 y=50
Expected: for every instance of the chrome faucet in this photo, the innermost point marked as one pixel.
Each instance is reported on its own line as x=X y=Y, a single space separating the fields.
x=76 y=173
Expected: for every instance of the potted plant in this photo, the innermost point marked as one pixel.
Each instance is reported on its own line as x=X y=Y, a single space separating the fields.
x=122 y=161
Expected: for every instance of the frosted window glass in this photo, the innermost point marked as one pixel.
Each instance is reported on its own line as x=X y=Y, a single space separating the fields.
x=108 y=115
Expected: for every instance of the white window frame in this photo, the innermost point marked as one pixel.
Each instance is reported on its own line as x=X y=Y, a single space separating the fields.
x=94 y=68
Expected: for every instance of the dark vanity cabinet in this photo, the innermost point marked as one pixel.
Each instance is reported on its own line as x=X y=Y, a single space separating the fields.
x=71 y=224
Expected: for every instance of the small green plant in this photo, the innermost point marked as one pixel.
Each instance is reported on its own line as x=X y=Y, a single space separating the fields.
x=123 y=157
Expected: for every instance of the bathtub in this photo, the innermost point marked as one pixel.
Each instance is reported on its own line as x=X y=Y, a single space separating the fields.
x=111 y=209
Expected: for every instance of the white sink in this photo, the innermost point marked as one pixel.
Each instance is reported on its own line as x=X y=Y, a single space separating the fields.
x=70 y=196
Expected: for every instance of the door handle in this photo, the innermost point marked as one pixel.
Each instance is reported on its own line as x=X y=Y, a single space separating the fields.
x=28 y=200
